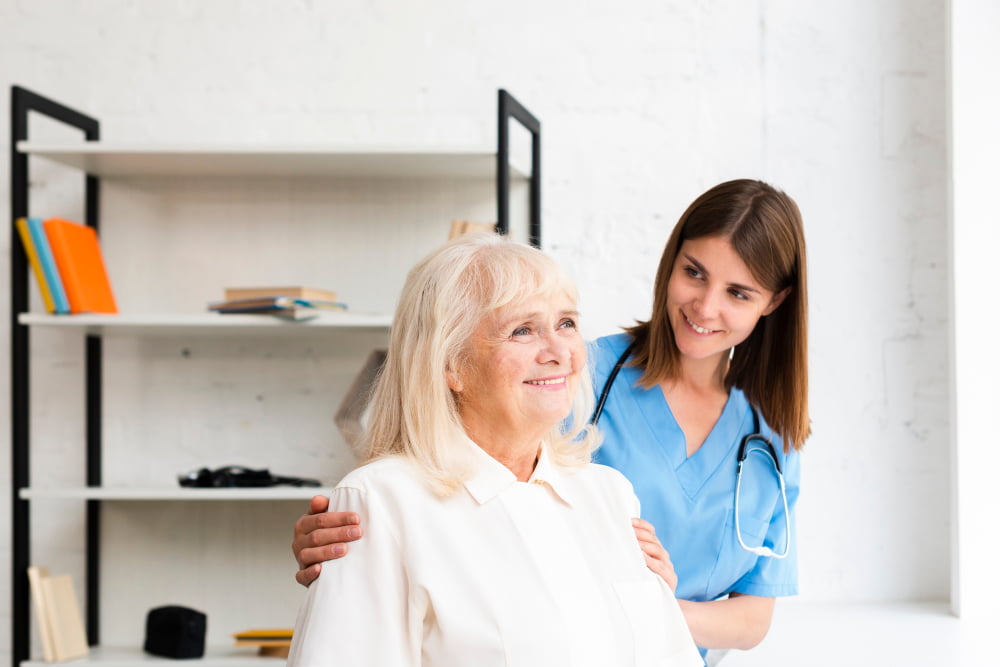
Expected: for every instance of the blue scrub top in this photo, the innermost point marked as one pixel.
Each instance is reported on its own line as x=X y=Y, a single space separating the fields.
x=690 y=501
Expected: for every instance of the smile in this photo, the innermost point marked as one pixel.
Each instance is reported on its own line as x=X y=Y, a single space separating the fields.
x=561 y=380
x=697 y=328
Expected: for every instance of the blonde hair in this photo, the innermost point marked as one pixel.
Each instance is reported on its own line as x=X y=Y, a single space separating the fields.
x=413 y=411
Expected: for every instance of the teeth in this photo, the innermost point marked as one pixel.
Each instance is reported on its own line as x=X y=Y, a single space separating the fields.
x=698 y=328
x=557 y=381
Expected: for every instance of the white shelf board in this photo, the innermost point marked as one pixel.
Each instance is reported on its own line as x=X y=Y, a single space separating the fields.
x=172 y=493
x=109 y=656
x=202 y=323
x=128 y=160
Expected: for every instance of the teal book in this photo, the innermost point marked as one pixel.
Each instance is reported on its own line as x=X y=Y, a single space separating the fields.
x=48 y=262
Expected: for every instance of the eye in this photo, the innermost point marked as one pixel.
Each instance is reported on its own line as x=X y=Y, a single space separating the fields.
x=568 y=323
x=742 y=296
x=692 y=272
x=520 y=331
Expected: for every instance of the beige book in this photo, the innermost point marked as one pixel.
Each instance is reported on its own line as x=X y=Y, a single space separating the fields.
x=69 y=639
x=294 y=291
x=460 y=227
x=35 y=577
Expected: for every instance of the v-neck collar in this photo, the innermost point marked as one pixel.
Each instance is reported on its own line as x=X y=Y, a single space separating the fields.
x=719 y=448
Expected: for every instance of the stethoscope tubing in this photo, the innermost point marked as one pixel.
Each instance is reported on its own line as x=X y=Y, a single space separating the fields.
x=742 y=453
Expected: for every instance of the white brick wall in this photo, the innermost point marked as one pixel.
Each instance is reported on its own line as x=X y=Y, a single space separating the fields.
x=643 y=106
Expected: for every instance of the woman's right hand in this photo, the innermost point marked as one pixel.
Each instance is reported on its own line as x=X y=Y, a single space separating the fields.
x=320 y=536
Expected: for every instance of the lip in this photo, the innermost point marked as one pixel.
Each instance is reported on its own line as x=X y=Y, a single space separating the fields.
x=691 y=327
x=553 y=382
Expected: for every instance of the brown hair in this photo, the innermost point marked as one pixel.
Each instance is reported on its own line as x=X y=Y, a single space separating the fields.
x=764 y=227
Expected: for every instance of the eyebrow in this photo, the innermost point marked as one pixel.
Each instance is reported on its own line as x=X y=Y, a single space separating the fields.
x=701 y=268
x=536 y=315
x=532 y=317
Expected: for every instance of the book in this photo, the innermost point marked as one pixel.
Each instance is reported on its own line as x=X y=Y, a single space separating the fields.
x=282 y=306
x=264 y=637
x=44 y=251
x=273 y=642
x=58 y=609
x=460 y=227
x=35 y=576
x=77 y=252
x=36 y=264
x=311 y=293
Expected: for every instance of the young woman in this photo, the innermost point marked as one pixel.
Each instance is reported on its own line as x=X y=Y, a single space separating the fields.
x=705 y=415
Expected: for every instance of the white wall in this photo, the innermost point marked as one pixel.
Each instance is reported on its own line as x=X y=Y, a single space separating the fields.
x=643 y=106
x=975 y=136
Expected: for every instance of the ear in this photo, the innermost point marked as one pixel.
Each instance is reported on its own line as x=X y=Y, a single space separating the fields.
x=454 y=381
x=776 y=301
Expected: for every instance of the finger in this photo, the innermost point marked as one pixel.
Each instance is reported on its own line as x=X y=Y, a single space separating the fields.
x=323 y=544
x=308 y=575
x=654 y=564
x=309 y=523
x=644 y=531
x=654 y=549
x=331 y=536
x=333 y=519
x=319 y=504
x=309 y=558
x=664 y=570
x=645 y=525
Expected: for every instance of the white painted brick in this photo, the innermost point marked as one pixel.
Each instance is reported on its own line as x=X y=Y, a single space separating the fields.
x=643 y=107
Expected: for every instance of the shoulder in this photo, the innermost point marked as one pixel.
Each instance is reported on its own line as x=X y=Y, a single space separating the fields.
x=789 y=459
x=386 y=473
x=392 y=488
x=606 y=475
x=605 y=351
x=610 y=482
x=613 y=344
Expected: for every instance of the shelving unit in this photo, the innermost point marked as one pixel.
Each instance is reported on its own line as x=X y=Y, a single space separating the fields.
x=203 y=323
x=127 y=161
x=95 y=161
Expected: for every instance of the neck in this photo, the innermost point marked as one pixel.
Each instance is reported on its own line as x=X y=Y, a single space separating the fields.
x=517 y=455
x=521 y=465
x=704 y=374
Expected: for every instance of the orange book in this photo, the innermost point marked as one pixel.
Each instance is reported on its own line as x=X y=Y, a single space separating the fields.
x=78 y=256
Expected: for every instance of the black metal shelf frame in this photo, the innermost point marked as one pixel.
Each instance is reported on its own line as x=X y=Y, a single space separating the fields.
x=24 y=102
x=509 y=108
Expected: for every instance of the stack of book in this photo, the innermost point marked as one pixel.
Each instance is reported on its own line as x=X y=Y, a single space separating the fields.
x=293 y=303
x=68 y=265
x=270 y=642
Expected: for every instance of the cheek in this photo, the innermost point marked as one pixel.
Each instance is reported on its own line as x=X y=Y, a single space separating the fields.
x=676 y=293
x=578 y=357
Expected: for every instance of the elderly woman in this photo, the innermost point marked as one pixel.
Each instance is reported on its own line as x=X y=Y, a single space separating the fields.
x=490 y=537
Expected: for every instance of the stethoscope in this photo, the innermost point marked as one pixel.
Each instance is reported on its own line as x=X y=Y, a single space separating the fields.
x=754 y=442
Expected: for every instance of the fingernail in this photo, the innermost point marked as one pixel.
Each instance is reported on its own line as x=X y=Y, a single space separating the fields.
x=339 y=550
x=353 y=533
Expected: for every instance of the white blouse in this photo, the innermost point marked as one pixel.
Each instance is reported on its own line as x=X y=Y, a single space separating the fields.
x=546 y=572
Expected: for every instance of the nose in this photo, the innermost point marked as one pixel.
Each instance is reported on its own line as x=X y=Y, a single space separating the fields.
x=556 y=349
x=707 y=304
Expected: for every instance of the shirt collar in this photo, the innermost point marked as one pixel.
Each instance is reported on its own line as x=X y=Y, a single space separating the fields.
x=490 y=478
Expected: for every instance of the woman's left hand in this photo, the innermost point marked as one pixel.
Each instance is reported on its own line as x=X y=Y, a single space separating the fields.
x=657 y=558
